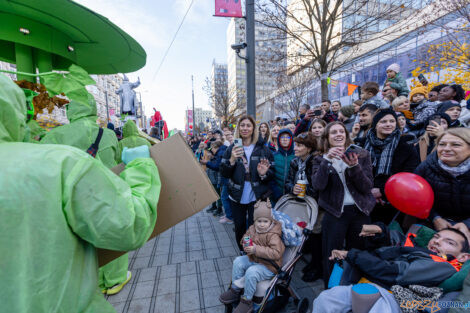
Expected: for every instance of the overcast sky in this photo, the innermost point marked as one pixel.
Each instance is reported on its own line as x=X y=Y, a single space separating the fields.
x=153 y=23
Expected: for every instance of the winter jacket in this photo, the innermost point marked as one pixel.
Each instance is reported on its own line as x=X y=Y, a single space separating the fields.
x=302 y=126
x=269 y=246
x=402 y=266
x=451 y=194
x=398 y=83
x=422 y=111
x=405 y=159
x=330 y=117
x=292 y=177
x=282 y=159
x=236 y=172
x=214 y=164
x=377 y=101
x=327 y=183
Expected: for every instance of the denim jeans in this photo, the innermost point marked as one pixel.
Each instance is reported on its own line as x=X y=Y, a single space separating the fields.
x=226 y=202
x=253 y=272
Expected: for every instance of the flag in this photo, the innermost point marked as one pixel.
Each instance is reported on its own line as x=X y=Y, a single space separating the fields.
x=351 y=88
x=334 y=83
x=228 y=8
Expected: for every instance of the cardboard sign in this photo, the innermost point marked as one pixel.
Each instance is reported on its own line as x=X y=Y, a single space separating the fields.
x=186 y=189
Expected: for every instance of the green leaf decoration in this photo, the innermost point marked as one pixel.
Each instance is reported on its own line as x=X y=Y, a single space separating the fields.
x=80 y=75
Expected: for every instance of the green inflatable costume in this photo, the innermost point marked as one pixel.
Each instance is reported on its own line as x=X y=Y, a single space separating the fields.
x=81 y=133
x=131 y=138
x=57 y=204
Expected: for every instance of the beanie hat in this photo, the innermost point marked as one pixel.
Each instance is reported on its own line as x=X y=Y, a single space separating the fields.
x=380 y=114
x=394 y=67
x=347 y=110
x=446 y=105
x=262 y=209
x=417 y=90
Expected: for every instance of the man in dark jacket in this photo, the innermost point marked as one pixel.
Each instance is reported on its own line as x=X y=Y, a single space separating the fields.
x=218 y=150
x=406 y=265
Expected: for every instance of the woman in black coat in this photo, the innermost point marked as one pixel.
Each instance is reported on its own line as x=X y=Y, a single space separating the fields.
x=447 y=170
x=343 y=182
x=247 y=166
x=391 y=153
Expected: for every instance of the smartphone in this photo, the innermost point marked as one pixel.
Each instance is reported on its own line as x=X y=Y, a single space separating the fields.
x=237 y=142
x=422 y=80
x=437 y=119
x=353 y=149
x=317 y=112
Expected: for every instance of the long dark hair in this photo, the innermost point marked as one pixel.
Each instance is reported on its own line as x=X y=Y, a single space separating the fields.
x=254 y=136
x=325 y=144
x=268 y=133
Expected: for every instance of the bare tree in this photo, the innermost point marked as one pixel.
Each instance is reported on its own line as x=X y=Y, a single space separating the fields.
x=292 y=94
x=320 y=31
x=225 y=102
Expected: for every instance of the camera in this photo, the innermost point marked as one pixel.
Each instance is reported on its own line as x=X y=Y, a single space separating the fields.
x=239 y=46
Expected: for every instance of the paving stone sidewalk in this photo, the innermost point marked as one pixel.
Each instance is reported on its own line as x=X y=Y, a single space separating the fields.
x=186 y=268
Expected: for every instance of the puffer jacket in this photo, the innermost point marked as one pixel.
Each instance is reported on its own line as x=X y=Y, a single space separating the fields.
x=282 y=159
x=236 y=173
x=451 y=194
x=269 y=246
x=398 y=83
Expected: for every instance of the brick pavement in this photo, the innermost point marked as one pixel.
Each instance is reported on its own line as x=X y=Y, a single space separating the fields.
x=186 y=268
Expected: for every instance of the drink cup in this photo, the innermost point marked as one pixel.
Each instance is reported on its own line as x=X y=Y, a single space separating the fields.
x=247 y=241
x=303 y=184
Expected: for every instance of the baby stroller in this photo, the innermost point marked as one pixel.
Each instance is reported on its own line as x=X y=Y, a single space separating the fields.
x=272 y=295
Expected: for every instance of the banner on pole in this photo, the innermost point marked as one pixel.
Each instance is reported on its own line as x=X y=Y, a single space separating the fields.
x=228 y=8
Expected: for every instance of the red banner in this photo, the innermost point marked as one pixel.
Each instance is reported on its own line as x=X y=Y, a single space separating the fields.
x=228 y=8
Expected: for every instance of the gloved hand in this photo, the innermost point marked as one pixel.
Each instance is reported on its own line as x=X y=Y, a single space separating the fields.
x=129 y=155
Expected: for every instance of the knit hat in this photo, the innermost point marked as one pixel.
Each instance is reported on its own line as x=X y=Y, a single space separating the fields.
x=394 y=67
x=417 y=90
x=262 y=209
x=446 y=105
x=347 y=110
x=380 y=114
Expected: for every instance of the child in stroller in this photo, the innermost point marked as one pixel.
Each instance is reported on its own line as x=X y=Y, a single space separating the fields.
x=264 y=247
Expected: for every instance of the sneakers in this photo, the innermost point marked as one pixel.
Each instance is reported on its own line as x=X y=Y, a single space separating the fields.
x=225 y=220
x=116 y=288
x=230 y=296
x=245 y=306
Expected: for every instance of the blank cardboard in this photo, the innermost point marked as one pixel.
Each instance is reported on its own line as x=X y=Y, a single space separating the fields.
x=186 y=189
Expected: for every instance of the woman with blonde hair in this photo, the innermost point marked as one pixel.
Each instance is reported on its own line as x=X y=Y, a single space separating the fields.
x=272 y=143
x=246 y=164
x=447 y=170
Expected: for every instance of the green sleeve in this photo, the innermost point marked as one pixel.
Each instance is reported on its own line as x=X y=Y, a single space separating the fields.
x=111 y=212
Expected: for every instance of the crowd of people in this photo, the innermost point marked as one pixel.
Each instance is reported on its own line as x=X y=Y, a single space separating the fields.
x=347 y=154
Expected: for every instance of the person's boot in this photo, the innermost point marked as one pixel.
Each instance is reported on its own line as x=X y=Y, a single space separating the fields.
x=245 y=306
x=212 y=209
x=230 y=296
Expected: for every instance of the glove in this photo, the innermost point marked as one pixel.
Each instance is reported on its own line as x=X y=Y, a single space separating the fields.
x=128 y=155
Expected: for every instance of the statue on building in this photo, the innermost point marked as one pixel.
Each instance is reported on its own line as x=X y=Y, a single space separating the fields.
x=127 y=96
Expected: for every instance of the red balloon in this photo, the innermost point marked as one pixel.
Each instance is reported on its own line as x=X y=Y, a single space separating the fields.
x=410 y=193
x=190 y=126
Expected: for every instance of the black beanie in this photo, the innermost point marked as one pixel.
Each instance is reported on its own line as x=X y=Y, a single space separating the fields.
x=380 y=114
x=446 y=105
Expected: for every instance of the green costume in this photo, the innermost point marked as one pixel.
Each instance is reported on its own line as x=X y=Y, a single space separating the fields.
x=57 y=204
x=131 y=138
x=36 y=131
x=82 y=132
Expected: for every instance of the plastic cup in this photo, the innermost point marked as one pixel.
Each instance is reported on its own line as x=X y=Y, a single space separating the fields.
x=303 y=184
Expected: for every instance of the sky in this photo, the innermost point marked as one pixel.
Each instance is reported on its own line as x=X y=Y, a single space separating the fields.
x=152 y=23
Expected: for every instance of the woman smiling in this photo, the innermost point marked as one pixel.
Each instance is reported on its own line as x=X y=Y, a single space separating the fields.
x=448 y=172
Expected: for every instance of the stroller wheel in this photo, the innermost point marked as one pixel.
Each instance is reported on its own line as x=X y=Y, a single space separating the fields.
x=303 y=305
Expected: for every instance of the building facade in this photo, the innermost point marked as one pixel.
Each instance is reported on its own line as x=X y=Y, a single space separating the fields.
x=107 y=101
x=268 y=64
